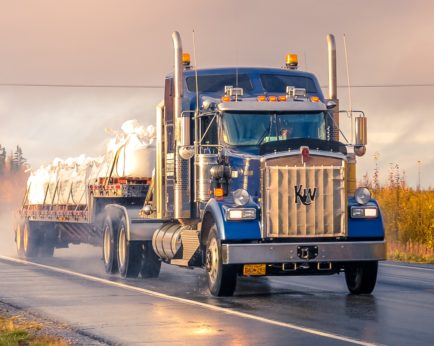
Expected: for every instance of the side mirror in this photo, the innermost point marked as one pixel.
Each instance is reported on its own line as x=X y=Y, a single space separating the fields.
x=361 y=131
x=361 y=135
x=330 y=104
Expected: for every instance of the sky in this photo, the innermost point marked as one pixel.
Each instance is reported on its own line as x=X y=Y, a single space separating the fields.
x=128 y=43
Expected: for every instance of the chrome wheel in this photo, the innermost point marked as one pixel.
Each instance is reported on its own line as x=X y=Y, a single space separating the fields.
x=129 y=252
x=212 y=261
x=26 y=238
x=19 y=240
x=222 y=278
x=122 y=247
x=107 y=245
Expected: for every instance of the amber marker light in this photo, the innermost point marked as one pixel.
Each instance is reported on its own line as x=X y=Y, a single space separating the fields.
x=272 y=98
x=218 y=192
x=282 y=98
x=186 y=59
x=314 y=99
x=262 y=98
x=226 y=98
x=292 y=61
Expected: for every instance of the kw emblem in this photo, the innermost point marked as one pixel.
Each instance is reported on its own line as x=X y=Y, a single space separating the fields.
x=307 y=197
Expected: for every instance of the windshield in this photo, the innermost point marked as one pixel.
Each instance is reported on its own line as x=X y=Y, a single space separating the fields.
x=256 y=128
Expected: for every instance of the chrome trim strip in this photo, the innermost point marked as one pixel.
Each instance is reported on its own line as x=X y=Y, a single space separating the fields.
x=290 y=106
x=312 y=152
x=287 y=252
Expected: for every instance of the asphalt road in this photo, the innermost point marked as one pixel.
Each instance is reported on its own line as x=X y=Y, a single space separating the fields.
x=177 y=308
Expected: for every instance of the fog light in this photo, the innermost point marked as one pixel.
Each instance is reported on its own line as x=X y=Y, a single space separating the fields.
x=241 y=197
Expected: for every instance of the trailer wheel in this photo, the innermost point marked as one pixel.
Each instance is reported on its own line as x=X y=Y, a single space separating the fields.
x=129 y=253
x=48 y=240
x=109 y=246
x=222 y=279
x=19 y=239
x=30 y=240
x=151 y=263
x=361 y=277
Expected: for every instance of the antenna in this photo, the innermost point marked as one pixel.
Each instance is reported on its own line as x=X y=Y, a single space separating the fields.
x=195 y=72
x=349 y=89
x=197 y=129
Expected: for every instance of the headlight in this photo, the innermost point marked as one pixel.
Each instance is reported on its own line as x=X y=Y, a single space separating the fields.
x=241 y=197
x=364 y=212
x=241 y=214
x=362 y=195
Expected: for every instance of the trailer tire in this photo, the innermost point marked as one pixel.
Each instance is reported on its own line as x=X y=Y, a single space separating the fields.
x=222 y=279
x=129 y=253
x=109 y=246
x=46 y=250
x=48 y=240
x=361 y=277
x=151 y=263
x=19 y=239
x=30 y=240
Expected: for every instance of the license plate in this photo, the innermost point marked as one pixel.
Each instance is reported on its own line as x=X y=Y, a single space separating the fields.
x=254 y=269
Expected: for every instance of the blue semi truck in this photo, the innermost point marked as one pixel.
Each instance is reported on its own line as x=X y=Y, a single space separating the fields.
x=250 y=180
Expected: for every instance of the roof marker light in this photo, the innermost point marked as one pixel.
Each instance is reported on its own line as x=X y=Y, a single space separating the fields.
x=272 y=98
x=262 y=98
x=292 y=61
x=282 y=98
x=226 y=98
x=314 y=98
x=186 y=59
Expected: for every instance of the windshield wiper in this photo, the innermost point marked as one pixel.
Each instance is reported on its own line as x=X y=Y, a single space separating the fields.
x=266 y=132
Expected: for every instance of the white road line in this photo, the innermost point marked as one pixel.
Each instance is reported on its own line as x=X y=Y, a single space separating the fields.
x=193 y=302
x=405 y=266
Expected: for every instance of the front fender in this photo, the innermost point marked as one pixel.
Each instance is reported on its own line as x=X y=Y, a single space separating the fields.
x=232 y=230
x=365 y=228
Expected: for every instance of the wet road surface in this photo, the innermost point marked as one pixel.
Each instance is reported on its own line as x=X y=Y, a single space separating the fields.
x=273 y=310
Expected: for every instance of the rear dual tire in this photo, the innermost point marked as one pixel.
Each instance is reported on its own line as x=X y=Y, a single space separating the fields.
x=34 y=241
x=129 y=258
x=109 y=246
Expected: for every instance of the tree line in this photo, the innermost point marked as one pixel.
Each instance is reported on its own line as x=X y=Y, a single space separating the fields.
x=408 y=215
x=13 y=163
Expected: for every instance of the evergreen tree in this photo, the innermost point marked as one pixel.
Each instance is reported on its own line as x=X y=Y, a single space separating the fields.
x=2 y=159
x=18 y=160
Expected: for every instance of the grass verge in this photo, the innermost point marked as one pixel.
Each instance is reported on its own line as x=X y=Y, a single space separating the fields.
x=410 y=252
x=15 y=331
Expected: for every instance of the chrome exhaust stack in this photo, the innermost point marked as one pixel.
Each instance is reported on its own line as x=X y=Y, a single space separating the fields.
x=182 y=189
x=333 y=85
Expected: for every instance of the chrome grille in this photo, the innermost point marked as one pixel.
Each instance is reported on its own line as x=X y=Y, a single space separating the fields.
x=304 y=201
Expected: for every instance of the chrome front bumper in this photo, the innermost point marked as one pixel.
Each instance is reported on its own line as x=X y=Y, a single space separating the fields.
x=290 y=252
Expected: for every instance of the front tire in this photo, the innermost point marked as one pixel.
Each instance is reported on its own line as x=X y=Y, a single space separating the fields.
x=222 y=279
x=361 y=277
x=129 y=253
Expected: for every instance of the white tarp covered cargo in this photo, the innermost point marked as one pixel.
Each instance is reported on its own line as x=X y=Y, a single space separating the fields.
x=130 y=153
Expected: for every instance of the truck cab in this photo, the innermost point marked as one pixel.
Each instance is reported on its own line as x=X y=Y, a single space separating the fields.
x=252 y=170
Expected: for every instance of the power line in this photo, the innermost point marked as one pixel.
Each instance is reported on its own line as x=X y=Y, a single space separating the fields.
x=127 y=86
x=421 y=85
x=114 y=86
